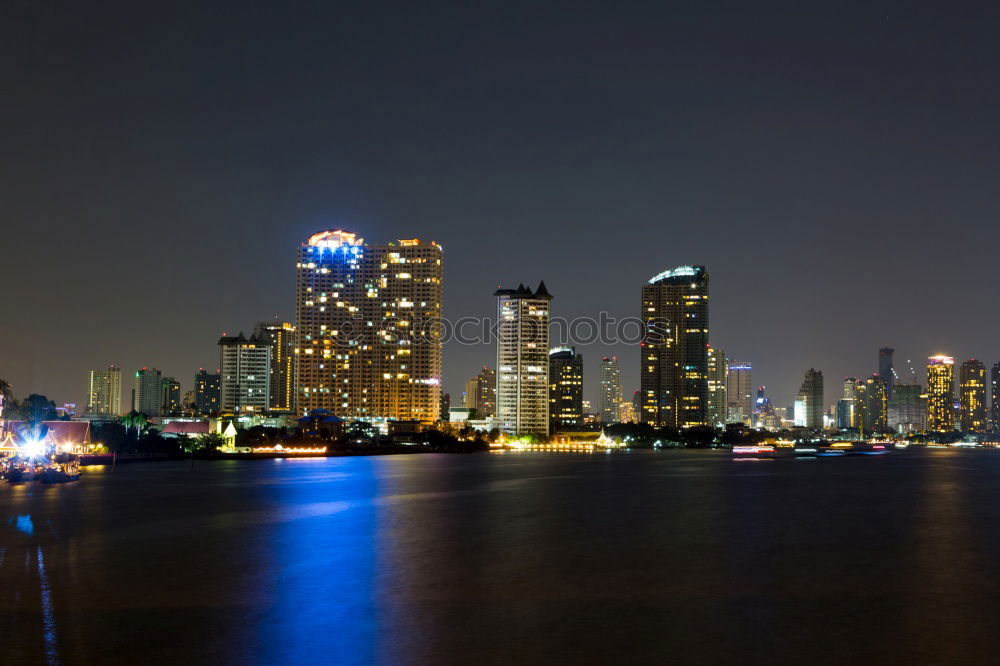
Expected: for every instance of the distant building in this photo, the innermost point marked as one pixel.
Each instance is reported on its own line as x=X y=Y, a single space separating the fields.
x=874 y=415
x=674 y=368
x=104 y=391
x=368 y=344
x=470 y=393
x=764 y=414
x=885 y=369
x=565 y=388
x=995 y=397
x=972 y=396
x=246 y=380
x=281 y=337
x=739 y=392
x=809 y=402
x=170 y=400
x=522 y=359
x=147 y=396
x=848 y=416
x=941 y=393
x=481 y=393
x=717 y=406
x=907 y=409
x=627 y=413
x=611 y=390
x=207 y=388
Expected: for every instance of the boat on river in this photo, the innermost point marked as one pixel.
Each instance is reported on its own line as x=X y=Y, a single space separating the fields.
x=55 y=468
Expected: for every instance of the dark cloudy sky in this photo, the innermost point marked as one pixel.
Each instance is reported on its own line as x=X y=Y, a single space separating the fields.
x=833 y=164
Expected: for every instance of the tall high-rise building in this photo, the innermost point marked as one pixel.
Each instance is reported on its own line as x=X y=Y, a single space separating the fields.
x=972 y=396
x=470 y=397
x=522 y=359
x=846 y=417
x=281 y=337
x=873 y=404
x=104 y=391
x=481 y=393
x=367 y=328
x=716 y=387
x=907 y=409
x=941 y=393
x=995 y=397
x=245 y=368
x=885 y=369
x=848 y=410
x=170 y=401
x=611 y=390
x=147 y=396
x=764 y=414
x=674 y=370
x=809 y=402
x=739 y=392
x=207 y=388
x=565 y=388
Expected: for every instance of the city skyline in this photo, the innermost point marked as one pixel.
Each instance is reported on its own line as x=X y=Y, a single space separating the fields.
x=906 y=371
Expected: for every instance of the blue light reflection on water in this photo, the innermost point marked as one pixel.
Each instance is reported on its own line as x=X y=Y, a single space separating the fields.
x=323 y=602
x=24 y=524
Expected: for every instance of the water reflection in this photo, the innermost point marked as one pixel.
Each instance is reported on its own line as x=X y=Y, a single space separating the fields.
x=322 y=566
x=678 y=556
x=24 y=524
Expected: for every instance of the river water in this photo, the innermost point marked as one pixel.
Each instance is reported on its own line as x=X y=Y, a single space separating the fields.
x=676 y=556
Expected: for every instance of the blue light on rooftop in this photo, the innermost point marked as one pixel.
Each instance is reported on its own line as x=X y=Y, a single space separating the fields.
x=680 y=271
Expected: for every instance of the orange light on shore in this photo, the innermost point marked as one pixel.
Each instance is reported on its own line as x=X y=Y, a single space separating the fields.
x=281 y=449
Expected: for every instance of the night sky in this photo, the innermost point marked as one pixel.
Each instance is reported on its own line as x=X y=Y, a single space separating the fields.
x=833 y=165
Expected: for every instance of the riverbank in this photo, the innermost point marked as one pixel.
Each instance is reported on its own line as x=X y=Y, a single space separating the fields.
x=402 y=449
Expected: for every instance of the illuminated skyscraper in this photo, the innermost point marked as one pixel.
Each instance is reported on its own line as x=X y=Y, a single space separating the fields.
x=481 y=393
x=170 y=400
x=739 y=392
x=565 y=388
x=764 y=414
x=367 y=328
x=847 y=407
x=885 y=369
x=246 y=380
x=907 y=409
x=873 y=414
x=207 y=387
x=104 y=391
x=674 y=370
x=147 y=396
x=972 y=396
x=995 y=397
x=522 y=359
x=809 y=402
x=281 y=337
x=941 y=393
x=716 y=387
x=845 y=414
x=611 y=390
